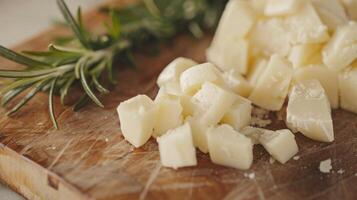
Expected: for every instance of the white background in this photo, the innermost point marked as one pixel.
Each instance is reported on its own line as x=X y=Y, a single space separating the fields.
x=22 y=19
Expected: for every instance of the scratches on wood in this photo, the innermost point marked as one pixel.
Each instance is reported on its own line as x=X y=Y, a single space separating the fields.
x=154 y=174
x=60 y=154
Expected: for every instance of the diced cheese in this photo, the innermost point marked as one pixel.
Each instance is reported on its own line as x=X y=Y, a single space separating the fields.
x=303 y=54
x=348 y=88
x=236 y=21
x=235 y=58
x=272 y=88
x=351 y=8
x=331 y=12
x=237 y=83
x=256 y=71
x=341 y=50
x=305 y=26
x=327 y=78
x=185 y=100
x=192 y=79
x=230 y=148
x=280 y=144
x=199 y=133
x=176 y=148
x=309 y=111
x=268 y=37
x=172 y=71
x=169 y=115
x=212 y=102
x=170 y=76
x=253 y=133
x=259 y=6
x=282 y=7
x=239 y=115
x=137 y=119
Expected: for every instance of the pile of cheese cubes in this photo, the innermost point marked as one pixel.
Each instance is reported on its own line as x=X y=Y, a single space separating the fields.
x=264 y=52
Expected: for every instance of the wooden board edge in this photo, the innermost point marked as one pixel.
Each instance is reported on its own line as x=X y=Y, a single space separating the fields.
x=32 y=181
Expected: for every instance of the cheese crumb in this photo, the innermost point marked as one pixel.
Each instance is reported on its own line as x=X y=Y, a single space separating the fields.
x=296 y=157
x=341 y=171
x=325 y=166
x=271 y=160
x=250 y=175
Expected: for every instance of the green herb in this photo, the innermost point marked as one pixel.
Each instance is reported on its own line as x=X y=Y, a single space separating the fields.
x=85 y=58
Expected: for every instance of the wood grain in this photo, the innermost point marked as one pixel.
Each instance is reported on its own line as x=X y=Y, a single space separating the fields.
x=88 y=158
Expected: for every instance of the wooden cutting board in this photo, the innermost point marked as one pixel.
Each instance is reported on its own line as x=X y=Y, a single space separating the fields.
x=88 y=158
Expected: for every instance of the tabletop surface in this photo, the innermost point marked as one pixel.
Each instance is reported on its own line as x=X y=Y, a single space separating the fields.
x=18 y=24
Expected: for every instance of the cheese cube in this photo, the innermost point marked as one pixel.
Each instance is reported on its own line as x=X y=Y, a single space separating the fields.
x=192 y=79
x=305 y=26
x=237 y=83
x=137 y=119
x=169 y=115
x=327 y=78
x=176 y=148
x=229 y=148
x=170 y=75
x=199 y=133
x=236 y=58
x=341 y=50
x=269 y=37
x=258 y=6
x=256 y=71
x=212 y=102
x=280 y=144
x=348 y=91
x=239 y=115
x=236 y=21
x=351 y=8
x=272 y=88
x=185 y=100
x=282 y=7
x=309 y=111
x=303 y=54
x=253 y=133
x=331 y=12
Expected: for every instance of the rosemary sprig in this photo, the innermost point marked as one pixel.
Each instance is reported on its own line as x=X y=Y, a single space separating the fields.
x=85 y=57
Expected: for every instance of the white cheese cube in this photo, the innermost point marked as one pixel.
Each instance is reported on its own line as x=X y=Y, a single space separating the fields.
x=341 y=50
x=169 y=115
x=351 y=8
x=229 y=148
x=280 y=144
x=199 y=133
x=239 y=115
x=137 y=119
x=303 y=54
x=282 y=7
x=253 y=133
x=237 y=83
x=172 y=71
x=185 y=100
x=305 y=26
x=235 y=58
x=236 y=21
x=192 y=79
x=176 y=148
x=348 y=91
x=272 y=88
x=327 y=78
x=258 y=6
x=256 y=71
x=212 y=102
x=269 y=37
x=331 y=12
x=309 y=111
